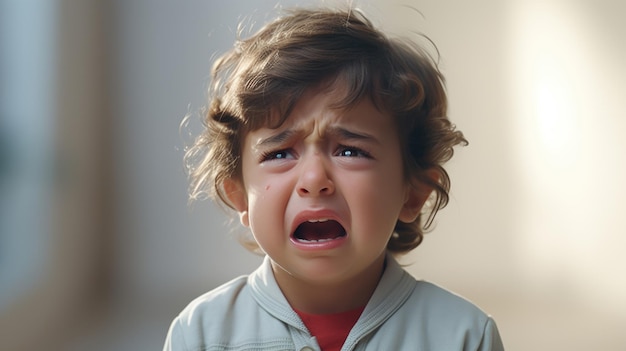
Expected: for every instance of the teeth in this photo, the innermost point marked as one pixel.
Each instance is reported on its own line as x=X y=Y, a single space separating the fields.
x=318 y=220
x=314 y=241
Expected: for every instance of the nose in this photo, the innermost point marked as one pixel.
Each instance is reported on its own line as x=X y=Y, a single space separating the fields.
x=314 y=178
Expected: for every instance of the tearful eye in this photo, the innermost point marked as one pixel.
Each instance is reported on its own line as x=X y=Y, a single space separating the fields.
x=280 y=155
x=276 y=155
x=348 y=153
x=352 y=152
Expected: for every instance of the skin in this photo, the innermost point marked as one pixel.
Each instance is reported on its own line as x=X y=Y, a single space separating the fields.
x=324 y=163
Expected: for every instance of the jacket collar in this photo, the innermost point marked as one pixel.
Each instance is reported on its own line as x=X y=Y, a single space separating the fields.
x=394 y=288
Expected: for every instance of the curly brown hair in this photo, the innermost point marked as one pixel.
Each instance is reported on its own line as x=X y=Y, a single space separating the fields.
x=258 y=82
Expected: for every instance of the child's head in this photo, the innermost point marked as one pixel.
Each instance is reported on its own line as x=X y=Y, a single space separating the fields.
x=258 y=83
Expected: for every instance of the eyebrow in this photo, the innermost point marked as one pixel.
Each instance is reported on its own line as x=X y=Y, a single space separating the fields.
x=278 y=138
x=344 y=133
x=334 y=131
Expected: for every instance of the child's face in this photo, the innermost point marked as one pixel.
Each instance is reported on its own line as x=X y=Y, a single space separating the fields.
x=322 y=193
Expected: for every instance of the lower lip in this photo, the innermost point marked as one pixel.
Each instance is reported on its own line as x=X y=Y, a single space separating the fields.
x=319 y=245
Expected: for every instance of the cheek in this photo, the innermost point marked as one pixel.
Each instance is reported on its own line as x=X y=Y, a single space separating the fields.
x=266 y=204
x=377 y=205
x=383 y=187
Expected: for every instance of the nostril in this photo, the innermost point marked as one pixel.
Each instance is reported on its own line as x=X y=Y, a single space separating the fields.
x=314 y=181
x=304 y=191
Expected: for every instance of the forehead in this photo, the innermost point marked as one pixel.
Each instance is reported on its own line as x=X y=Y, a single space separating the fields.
x=317 y=116
x=327 y=105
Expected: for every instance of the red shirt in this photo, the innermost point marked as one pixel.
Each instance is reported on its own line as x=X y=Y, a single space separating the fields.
x=331 y=330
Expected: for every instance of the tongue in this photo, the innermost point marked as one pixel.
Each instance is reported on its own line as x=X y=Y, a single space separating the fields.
x=319 y=230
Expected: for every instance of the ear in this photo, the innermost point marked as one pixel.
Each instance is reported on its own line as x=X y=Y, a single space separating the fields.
x=416 y=195
x=236 y=195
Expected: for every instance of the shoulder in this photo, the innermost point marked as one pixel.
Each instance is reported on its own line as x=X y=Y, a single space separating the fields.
x=433 y=297
x=216 y=303
x=230 y=317
x=218 y=296
x=442 y=308
x=205 y=315
x=440 y=317
x=423 y=297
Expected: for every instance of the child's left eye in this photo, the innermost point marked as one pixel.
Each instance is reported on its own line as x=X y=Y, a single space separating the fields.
x=348 y=151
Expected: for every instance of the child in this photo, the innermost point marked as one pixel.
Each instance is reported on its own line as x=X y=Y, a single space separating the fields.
x=327 y=138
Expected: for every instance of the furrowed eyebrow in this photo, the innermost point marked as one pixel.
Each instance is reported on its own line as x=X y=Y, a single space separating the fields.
x=344 y=133
x=277 y=139
x=337 y=132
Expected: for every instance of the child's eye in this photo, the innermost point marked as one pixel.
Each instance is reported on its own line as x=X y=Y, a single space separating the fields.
x=276 y=155
x=349 y=151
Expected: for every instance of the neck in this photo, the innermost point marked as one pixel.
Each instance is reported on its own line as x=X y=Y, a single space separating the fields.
x=329 y=297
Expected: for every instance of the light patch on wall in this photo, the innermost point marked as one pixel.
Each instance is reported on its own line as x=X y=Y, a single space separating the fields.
x=569 y=154
x=555 y=114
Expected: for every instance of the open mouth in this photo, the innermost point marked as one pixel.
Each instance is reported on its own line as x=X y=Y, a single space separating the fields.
x=318 y=231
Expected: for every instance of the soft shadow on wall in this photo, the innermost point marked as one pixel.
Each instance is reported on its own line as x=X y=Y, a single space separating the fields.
x=53 y=222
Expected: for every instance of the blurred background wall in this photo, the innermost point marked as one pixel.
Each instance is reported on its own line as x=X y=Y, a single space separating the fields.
x=99 y=249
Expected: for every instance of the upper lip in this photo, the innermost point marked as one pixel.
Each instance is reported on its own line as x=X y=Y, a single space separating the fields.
x=315 y=216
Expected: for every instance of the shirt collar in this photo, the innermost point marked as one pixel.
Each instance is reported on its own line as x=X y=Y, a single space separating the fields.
x=394 y=288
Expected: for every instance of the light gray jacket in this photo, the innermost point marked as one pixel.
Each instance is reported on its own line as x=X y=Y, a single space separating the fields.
x=251 y=313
